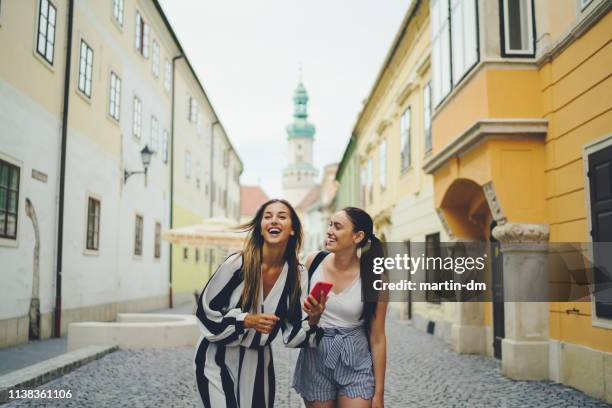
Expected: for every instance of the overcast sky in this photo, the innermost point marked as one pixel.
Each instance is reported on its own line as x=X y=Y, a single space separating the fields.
x=247 y=54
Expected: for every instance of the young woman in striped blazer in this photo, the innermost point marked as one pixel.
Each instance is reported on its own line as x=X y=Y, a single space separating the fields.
x=348 y=367
x=252 y=296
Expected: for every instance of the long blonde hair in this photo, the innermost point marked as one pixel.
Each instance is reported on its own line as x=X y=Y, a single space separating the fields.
x=252 y=258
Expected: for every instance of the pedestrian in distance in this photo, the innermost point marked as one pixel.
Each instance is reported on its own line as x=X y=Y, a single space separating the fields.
x=348 y=367
x=253 y=295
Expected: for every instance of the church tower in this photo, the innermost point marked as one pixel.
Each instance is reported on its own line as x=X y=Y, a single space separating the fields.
x=300 y=175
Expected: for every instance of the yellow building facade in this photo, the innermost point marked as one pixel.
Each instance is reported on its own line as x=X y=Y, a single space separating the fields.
x=521 y=107
x=393 y=135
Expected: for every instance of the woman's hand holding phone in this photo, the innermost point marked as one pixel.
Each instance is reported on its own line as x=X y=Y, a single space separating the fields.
x=262 y=322
x=314 y=308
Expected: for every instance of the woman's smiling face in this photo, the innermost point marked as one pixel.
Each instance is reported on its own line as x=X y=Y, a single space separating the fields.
x=276 y=226
x=340 y=234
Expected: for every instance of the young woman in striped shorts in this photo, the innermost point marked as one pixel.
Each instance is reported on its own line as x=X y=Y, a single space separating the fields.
x=347 y=369
x=254 y=294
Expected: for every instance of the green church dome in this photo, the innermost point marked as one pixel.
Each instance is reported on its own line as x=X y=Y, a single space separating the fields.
x=300 y=126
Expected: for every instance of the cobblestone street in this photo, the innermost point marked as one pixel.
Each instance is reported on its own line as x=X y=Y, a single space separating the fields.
x=422 y=372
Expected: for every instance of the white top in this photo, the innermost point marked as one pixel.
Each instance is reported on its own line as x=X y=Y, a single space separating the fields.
x=342 y=309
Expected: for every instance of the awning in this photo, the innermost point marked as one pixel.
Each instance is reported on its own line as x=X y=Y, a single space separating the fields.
x=219 y=232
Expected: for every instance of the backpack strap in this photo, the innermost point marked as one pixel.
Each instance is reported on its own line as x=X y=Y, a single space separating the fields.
x=315 y=264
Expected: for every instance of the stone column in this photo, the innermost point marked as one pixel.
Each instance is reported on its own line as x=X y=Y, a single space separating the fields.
x=525 y=347
x=468 y=332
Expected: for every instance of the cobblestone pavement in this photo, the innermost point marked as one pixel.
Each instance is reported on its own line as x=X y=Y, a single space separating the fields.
x=422 y=372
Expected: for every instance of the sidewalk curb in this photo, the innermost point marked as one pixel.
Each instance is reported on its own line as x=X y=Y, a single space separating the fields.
x=45 y=371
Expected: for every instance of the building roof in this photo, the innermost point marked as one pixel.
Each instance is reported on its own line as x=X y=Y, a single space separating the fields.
x=310 y=198
x=251 y=198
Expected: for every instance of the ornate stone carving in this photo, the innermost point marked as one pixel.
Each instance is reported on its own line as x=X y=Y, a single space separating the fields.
x=494 y=205
x=444 y=223
x=528 y=233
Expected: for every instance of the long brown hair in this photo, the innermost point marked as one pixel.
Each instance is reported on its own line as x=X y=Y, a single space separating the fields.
x=252 y=258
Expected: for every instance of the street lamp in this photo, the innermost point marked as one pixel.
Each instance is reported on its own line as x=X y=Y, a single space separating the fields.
x=145 y=155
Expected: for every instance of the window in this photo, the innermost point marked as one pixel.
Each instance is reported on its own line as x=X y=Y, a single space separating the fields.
x=193 y=110
x=452 y=22
x=168 y=76
x=382 y=163
x=45 y=43
x=517 y=28
x=187 y=163
x=197 y=255
x=427 y=117
x=118 y=11
x=199 y=126
x=93 y=224
x=138 y=232
x=405 y=124
x=440 y=50
x=155 y=59
x=142 y=36
x=198 y=173
x=369 y=178
x=157 y=249
x=464 y=37
x=9 y=199
x=165 y=146
x=154 y=134
x=185 y=254
x=600 y=207
x=432 y=275
x=137 y=125
x=114 y=103
x=85 y=69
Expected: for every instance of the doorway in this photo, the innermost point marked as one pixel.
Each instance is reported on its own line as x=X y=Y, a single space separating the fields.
x=497 y=278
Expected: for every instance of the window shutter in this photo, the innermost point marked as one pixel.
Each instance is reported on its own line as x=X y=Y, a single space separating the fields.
x=138 y=27
x=145 y=46
x=600 y=186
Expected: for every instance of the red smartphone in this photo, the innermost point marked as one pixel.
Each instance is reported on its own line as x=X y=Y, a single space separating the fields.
x=319 y=287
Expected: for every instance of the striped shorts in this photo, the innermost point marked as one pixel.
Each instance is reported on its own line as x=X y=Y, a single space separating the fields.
x=340 y=365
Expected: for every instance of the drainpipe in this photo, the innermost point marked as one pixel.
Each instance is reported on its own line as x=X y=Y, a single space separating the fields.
x=62 y=180
x=171 y=156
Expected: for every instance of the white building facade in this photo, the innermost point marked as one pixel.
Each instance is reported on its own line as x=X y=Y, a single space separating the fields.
x=98 y=227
